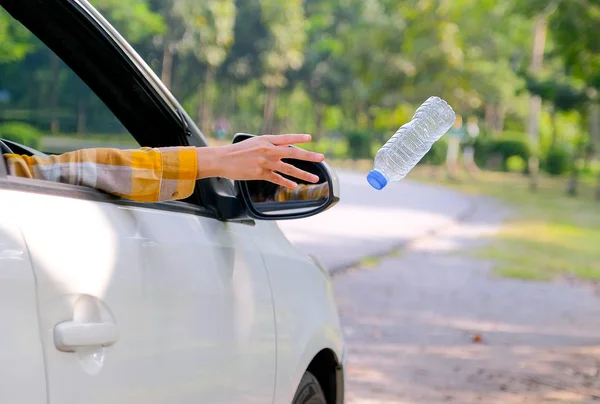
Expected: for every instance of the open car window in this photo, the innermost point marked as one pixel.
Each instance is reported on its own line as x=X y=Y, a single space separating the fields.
x=44 y=104
x=85 y=46
x=65 y=84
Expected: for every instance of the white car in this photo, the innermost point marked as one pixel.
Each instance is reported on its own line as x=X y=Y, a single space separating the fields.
x=104 y=300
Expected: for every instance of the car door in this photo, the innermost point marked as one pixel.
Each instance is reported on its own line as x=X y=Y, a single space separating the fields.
x=137 y=303
x=180 y=301
x=22 y=372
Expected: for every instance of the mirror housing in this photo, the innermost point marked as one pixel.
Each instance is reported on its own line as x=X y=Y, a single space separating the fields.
x=264 y=200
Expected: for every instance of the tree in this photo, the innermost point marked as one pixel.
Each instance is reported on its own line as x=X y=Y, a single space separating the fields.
x=133 y=18
x=580 y=19
x=15 y=40
x=168 y=39
x=324 y=72
x=208 y=35
x=580 y=58
x=285 y=24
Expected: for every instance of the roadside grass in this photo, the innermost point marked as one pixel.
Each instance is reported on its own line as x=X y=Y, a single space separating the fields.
x=370 y=262
x=551 y=234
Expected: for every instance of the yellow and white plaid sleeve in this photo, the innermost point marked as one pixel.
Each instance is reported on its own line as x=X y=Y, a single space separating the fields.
x=142 y=175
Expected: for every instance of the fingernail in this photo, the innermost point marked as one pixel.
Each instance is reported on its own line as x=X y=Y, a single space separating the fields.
x=315 y=178
x=307 y=137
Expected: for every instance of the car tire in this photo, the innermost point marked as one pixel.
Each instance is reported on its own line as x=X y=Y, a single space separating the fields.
x=309 y=391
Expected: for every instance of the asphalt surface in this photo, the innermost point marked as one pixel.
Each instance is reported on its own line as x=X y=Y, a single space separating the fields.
x=368 y=222
x=433 y=324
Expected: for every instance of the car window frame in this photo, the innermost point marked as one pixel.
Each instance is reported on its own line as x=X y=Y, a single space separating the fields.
x=188 y=134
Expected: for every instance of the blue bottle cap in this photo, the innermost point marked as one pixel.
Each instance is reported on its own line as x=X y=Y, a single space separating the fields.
x=376 y=179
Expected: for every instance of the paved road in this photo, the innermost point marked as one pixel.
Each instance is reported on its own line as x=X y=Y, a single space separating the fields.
x=436 y=326
x=367 y=222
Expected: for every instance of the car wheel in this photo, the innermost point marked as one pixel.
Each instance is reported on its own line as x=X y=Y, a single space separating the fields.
x=309 y=391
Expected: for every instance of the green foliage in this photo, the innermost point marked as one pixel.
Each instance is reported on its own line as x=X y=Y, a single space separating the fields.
x=22 y=133
x=15 y=40
x=285 y=23
x=557 y=160
x=324 y=66
x=574 y=26
x=503 y=147
x=359 y=144
x=563 y=96
x=516 y=164
x=133 y=18
x=437 y=155
x=336 y=148
x=209 y=28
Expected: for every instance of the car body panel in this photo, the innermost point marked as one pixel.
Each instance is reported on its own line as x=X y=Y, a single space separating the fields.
x=22 y=371
x=305 y=310
x=189 y=295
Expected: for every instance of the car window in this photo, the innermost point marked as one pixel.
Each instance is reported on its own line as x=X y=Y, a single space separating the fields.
x=44 y=104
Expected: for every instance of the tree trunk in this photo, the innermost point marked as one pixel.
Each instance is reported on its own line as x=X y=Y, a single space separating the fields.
x=82 y=115
x=167 y=64
x=319 y=111
x=535 y=103
x=452 y=156
x=490 y=117
x=554 y=129
x=277 y=126
x=500 y=117
x=362 y=117
x=55 y=77
x=573 y=181
x=207 y=100
x=594 y=117
x=269 y=111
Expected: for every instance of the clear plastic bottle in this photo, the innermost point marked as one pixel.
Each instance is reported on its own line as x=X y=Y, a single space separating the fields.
x=411 y=142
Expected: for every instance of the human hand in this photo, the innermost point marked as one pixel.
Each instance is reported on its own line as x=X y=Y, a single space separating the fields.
x=259 y=158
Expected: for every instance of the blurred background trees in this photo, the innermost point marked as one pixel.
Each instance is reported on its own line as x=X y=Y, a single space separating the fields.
x=351 y=72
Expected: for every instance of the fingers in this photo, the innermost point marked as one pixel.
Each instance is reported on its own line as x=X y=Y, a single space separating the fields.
x=278 y=149
x=293 y=152
x=300 y=154
x=295 y=172
x=281 y=140
x=279 y=180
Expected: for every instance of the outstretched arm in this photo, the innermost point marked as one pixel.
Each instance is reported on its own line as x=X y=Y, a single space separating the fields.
x=143 y=175
x=161 y=174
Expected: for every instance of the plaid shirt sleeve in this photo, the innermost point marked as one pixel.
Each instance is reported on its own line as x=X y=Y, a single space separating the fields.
x=142 y=175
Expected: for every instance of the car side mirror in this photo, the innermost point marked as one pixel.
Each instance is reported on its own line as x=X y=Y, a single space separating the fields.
x=267 y=201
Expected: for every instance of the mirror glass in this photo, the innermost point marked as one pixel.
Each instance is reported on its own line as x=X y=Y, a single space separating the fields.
x=271 y=199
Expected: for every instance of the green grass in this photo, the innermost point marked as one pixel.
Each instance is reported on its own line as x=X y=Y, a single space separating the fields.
x=370 y=262
x=551 y=234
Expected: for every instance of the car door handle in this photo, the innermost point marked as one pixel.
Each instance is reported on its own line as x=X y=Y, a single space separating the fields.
x=70 y=335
